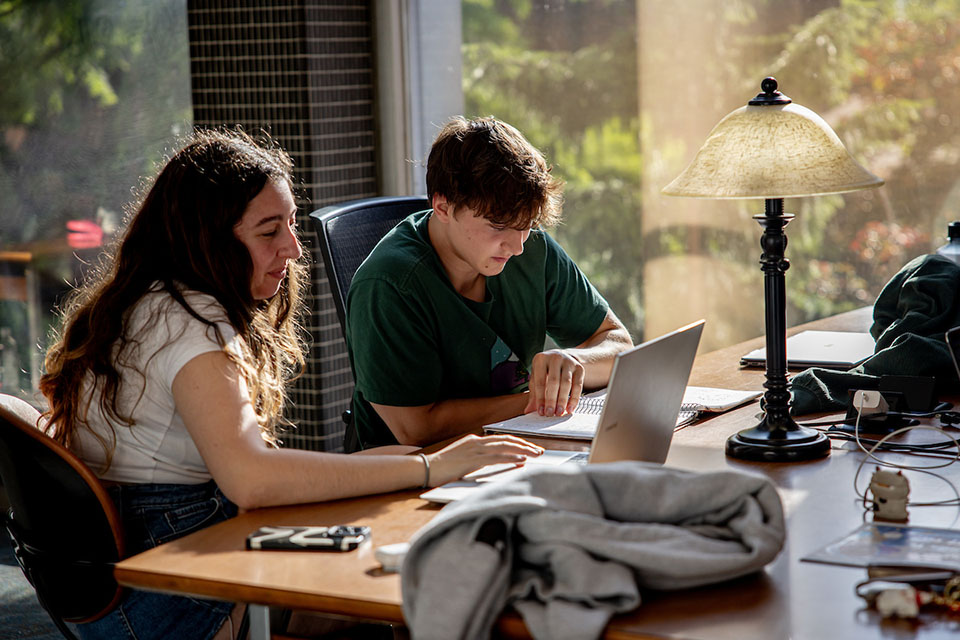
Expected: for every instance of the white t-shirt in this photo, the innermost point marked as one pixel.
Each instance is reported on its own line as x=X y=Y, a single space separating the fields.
x=157 y=448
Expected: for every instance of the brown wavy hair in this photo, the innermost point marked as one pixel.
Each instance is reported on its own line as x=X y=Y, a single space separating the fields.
x=181 y=236
x=488 y=165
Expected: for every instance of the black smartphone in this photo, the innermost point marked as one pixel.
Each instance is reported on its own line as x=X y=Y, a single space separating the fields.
x=335 y=538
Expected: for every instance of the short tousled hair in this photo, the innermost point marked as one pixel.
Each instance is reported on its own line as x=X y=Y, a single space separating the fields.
x=488 y=166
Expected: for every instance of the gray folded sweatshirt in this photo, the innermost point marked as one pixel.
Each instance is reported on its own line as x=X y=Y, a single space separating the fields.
x=569 y=546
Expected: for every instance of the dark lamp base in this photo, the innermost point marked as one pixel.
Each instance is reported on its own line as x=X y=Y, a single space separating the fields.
x=764 y=445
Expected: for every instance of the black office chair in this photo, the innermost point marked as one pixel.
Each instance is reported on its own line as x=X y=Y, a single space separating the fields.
x=349 y=231
x=64 y=527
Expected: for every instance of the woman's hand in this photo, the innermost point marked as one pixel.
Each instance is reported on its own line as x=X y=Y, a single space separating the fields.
x=472 y=452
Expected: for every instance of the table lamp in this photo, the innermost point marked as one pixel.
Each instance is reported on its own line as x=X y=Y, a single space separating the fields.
x=773 y=149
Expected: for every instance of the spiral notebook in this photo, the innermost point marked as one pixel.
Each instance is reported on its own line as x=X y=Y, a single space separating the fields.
x=582 y=423
x=700 y=400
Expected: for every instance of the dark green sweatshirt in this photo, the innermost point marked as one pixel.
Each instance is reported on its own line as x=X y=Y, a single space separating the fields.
x=910 y=317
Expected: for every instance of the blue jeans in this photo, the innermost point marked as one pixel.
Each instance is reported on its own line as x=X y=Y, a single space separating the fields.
x=153 y=514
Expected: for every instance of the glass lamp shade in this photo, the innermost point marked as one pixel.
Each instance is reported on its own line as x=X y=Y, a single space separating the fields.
x=771 y=151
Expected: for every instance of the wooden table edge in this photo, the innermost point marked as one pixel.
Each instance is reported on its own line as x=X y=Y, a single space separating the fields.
x=268 y=596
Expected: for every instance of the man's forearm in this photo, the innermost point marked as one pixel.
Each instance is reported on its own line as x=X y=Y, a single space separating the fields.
x=427 y=424
x=597 y=355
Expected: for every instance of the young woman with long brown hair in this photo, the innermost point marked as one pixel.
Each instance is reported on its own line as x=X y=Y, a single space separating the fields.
x=169 y=371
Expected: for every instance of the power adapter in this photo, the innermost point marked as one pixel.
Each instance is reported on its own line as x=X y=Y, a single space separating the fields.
x=870 y=409
x=868 y=403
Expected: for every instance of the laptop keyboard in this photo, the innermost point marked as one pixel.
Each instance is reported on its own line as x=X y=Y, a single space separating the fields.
x=580 y=458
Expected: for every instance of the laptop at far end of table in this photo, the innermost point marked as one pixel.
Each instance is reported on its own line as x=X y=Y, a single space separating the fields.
x=828 y=349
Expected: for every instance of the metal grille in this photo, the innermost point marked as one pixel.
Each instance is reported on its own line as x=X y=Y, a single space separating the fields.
x=303 y=71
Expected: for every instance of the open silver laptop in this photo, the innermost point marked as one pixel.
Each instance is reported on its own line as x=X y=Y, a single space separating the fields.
x=637 y=418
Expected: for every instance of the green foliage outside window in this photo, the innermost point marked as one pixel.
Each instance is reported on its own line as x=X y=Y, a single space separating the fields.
x=567 y=79
x=93 y=92
x=884 y=73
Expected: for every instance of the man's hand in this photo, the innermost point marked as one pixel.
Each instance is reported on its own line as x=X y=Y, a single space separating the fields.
x=556 y=382
x=557 y=376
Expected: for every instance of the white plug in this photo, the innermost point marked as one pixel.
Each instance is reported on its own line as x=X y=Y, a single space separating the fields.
x=868 y=403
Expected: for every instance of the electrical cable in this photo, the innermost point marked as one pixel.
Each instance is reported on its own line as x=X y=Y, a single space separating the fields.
x=942 y=411
x=835 y=430
x=933 y=448
x=884 y=463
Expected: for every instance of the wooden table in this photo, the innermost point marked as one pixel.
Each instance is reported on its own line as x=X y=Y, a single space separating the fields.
x=790 y=599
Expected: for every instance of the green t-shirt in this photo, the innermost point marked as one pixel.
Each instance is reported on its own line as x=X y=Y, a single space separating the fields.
x=413 y=340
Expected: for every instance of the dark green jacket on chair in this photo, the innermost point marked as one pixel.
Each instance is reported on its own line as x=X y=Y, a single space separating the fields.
x=910 y=317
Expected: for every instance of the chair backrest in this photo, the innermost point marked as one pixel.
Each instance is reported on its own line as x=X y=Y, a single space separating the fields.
x=348 y=232
x=65 y=528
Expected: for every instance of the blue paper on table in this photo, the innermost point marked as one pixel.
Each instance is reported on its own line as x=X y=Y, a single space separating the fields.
x=893 y=545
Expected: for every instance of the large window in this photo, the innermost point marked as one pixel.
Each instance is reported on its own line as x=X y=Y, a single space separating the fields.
x=93 y=93
x=565 y=74
x=618 y=93
x=621 y=94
